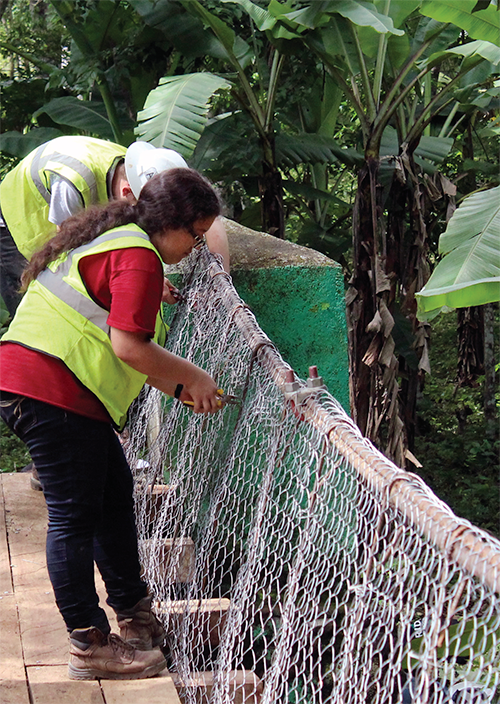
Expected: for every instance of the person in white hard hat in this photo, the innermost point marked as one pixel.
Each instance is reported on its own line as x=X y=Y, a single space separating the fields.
x=143 y=161
x=62 y=177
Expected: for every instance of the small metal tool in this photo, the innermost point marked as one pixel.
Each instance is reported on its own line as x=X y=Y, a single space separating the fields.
x=223 y=399
x=176 y=294
x=228 y=399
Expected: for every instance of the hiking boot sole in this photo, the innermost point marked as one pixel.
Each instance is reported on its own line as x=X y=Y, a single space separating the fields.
x=75 y=673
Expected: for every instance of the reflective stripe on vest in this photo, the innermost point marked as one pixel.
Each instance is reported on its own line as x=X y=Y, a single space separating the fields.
x=58 y=317
x=84 y=162
x=40 y=162
x=54 y=282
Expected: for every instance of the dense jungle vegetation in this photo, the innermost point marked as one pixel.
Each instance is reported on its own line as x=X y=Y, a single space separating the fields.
x=355 y=128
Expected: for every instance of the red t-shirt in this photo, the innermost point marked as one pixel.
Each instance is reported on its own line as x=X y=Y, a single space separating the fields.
x=126 y=282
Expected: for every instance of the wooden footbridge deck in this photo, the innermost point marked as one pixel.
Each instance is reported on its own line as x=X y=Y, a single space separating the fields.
x=33 y=638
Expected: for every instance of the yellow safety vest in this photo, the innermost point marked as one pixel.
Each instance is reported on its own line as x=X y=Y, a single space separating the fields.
x=25 y=191
x=58 y=317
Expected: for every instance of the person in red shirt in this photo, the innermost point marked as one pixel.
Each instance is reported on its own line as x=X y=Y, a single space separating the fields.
x=66 y=410
x=96 y=167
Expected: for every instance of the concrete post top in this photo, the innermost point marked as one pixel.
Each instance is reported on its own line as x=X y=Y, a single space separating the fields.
x=249 y=249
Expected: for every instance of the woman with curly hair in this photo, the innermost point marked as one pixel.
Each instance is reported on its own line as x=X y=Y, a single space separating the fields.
x=83 y=342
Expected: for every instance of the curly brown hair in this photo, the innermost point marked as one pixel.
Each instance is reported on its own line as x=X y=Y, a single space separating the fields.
x=173 y=199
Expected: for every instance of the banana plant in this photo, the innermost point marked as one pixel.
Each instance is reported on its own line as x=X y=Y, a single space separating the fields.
x=96 y=31
x=67 y=11
x=175 y=113
x=469 y=272
x=258 y=104
x=396 y=86
x=257 y=98
x=468 y=278
x=385 y=72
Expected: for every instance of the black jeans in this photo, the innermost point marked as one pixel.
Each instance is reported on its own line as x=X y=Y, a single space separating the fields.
x=88 y=489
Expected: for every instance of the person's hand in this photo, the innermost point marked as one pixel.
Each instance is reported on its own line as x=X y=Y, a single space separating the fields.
x=171 y=295
x=201 y=393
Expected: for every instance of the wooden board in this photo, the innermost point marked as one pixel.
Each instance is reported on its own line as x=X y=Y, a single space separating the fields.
x=5 y=575
x=157 y=690
x=206 y=617
x=50 y=685
x=244 y=686
x=31 y=623
x=13 y=685
x=43 y=633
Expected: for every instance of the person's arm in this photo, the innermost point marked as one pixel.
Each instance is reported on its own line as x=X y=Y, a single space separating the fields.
x=65 y=200
x=216 y=238
x=166 y=370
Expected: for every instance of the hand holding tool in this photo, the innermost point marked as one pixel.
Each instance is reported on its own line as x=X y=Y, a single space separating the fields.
x=223 y=399
x=175 y=293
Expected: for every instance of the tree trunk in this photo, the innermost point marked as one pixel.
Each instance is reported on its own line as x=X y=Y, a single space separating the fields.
x=490 y=411
x=470 y=320
x=271 y=193
x=414 y=275
x=470 y=365
x=407 y=206
x=374 y=389
x=360 y=303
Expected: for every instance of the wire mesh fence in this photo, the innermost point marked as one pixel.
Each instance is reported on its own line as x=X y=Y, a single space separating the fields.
x=289 y=560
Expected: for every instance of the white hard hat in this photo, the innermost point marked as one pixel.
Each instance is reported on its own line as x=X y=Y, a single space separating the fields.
x=143 y=161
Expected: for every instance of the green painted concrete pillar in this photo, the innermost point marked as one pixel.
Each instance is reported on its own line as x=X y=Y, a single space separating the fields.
x=297 y=296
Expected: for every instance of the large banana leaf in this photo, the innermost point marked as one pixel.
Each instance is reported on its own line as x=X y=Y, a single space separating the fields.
x=335 y=40
x=359 y=12
x=17 y=144
x=87 y=116
x=430 y=151
x=434 y=149
x=469 y=274
x=175 y=113
x=484 y=24
x=313 y=149
x=183 y=31
x=228 y=149
x=477 y=49
x=273 y=20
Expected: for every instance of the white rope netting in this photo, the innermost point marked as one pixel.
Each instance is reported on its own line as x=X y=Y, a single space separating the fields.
x=289 y=560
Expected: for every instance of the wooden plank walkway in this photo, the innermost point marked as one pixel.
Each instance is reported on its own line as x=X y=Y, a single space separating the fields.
x=33 y=638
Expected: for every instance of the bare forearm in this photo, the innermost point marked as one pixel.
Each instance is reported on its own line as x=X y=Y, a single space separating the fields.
x=165 y=370
x=217 y=241
x=147 y=357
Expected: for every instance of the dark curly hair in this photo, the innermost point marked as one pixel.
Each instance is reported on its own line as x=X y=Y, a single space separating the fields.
x=173 y=199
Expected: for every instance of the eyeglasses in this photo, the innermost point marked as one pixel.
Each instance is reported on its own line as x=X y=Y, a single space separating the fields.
x=199 y=240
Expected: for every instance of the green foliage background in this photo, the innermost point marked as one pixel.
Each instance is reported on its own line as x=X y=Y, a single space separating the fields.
x=129 y=55
x=461 y=464
x=13 y=453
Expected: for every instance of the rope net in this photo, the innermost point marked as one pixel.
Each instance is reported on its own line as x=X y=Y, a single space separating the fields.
x=289 y=560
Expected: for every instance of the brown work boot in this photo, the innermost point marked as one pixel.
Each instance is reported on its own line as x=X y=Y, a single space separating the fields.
x=35 y=482
x=35 y=479
x=92 y=655
x=140 y=627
